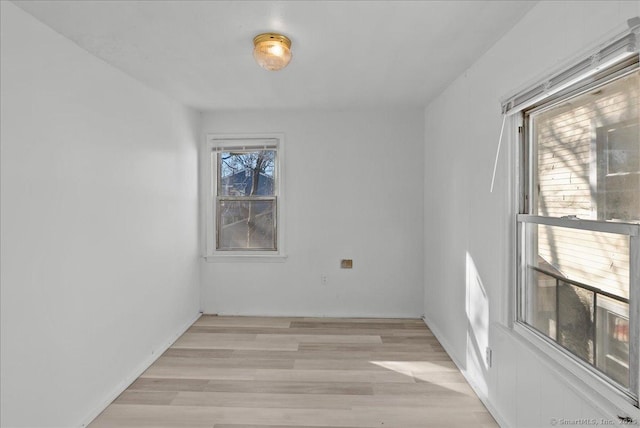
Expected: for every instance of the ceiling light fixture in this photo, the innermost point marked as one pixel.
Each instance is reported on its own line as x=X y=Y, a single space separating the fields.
x=272 y=51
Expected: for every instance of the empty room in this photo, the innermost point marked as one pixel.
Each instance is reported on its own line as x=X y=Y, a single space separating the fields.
x=347 y=214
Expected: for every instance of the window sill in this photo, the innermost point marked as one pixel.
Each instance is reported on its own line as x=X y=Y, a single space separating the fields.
x=577 y=374
x=245 y=258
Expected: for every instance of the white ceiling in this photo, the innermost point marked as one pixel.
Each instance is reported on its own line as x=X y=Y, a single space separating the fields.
x=345 y=53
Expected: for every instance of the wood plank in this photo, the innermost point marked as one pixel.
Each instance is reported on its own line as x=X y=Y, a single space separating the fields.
x=349 y=324
x=198 y=353
x=332 y=376
x=291 y=387
x=227 y=363
x=185 y=372
x=206 y=341
x=168 y=384
x=244 y=321
x=387 y=354
x=361 y=347
x=318 y=338
x=152 y=398
x=398 y=366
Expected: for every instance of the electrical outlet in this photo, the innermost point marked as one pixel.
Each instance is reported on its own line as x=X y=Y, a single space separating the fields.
x=488 y=356
x=323 y=279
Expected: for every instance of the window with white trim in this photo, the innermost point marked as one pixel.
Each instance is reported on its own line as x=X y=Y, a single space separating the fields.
x=578 y=226
x=244 y=196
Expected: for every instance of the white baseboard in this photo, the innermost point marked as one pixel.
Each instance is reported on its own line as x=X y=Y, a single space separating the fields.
x=448 y=348
x=138 y=371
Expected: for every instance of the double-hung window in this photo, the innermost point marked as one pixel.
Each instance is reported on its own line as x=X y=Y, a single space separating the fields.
x=244 y=196
x=579 y=214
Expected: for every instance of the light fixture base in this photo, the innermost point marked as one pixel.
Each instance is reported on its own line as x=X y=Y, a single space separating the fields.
x=267 y=37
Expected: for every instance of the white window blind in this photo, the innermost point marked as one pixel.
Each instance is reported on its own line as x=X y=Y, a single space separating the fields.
x=616 y=50
x=243 y=145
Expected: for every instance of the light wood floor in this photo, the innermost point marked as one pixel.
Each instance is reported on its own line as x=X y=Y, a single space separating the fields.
x=246 y=372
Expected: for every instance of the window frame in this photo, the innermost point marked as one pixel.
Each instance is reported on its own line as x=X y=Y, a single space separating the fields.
x=576 y=371
x=214 y=144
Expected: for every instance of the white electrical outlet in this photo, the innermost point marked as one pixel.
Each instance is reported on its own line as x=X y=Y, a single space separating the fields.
x=323 y=279
x=488 y=356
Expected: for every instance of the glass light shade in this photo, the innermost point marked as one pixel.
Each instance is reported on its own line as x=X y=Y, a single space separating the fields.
x=272 y=51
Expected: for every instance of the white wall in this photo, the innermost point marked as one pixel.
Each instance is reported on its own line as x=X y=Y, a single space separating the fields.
x=99 y=226
x=354 y=188
x=468 y=231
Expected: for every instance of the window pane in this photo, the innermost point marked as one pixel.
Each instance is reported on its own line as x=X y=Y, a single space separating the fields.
x=622 y=151
x=619 y=175
x=595 y=258
x=587 y=150
x=246 y=225
x=612 y=352
x=567 y=272
x=247 y=173
x=575 y=320
x=541 y=294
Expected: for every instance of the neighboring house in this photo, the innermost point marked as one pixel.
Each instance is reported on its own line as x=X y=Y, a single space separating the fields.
x=588 y=168
x=605 y=143
x=240 y=184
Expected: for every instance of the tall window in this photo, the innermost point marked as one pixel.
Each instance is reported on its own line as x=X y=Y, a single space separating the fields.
x=579 y=223
x=243 y=212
